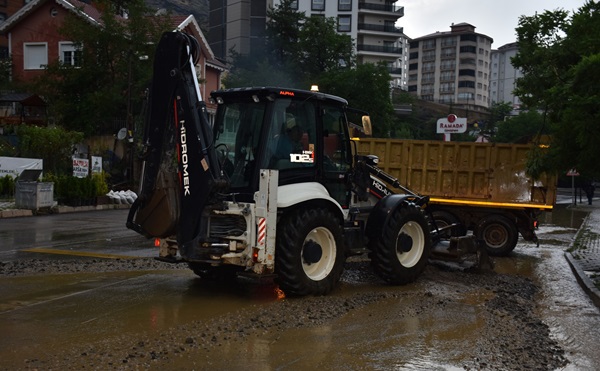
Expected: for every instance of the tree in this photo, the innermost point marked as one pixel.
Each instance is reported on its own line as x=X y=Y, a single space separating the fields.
x=53 y=145
x=560 y=58
x=297 y=50
x=322 y=49
x=524 y=128
x=112 y=66
x=372 y=96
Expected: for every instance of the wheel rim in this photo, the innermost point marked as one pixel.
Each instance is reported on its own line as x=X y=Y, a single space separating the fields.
x=495 y=236
x=318 y=253
x=410 y=244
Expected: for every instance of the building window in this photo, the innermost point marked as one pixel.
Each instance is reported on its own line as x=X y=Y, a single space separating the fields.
x=69 y=54
x=429 y=44
x=2 y=17
x=317 y=5
x=35 y=56
x=344 y=23
x=344 y=4
x=294 y=5
x=468 y=49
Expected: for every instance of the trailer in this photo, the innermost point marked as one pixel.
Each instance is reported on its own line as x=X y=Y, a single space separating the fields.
x=482 y=186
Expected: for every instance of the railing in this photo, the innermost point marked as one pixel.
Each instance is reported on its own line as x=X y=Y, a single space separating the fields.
x=379 y=49
x=379 y=28
x=399 y=10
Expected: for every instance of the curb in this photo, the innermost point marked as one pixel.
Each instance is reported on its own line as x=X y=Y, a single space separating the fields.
x=17 y=213
x=584 y=280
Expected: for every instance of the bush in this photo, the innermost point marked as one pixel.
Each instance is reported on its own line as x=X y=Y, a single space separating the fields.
x=73 y=191
x=7 y=186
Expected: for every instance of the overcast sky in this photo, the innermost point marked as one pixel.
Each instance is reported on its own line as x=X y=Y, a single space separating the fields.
x=496 y=19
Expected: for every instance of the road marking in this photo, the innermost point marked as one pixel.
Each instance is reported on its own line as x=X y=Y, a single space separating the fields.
x=79 y=253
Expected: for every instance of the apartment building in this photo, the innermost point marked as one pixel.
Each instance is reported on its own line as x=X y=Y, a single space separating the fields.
x=503 y=77
x=238 y=24
x=451 y=67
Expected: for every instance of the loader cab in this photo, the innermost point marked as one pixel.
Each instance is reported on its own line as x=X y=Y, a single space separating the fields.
x=302 y=134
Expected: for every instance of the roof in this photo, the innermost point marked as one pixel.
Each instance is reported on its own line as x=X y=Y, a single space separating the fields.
x=25 y=99
x=455 y=29
x=87 y=11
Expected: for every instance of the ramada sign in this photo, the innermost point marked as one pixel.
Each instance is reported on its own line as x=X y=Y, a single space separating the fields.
x=451 y=124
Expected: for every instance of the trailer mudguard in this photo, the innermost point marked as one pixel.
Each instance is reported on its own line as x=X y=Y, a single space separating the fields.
x=175 y=101
x=379 y=216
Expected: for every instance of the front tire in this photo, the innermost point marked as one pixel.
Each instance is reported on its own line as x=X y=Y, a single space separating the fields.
x=310 y=252
x=400 y=254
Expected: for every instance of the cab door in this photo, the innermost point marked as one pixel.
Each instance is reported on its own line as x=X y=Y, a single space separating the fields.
x=335 y=154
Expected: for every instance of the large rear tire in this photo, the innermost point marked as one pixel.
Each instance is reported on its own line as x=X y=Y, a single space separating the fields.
x=498 y=233
x=310 y=252
x=401 y=253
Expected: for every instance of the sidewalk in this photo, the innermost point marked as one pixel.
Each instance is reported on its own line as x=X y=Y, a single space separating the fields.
x=584 y=253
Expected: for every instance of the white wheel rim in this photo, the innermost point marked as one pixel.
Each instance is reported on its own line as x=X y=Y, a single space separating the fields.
x=415 y=232
x=320 y=269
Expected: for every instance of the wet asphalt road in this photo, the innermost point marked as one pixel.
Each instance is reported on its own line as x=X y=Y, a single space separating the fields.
x=93 y=233
x=44 y=314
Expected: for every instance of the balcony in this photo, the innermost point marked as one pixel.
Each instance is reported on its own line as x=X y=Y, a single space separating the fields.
x=380 y=28
x=379 y=49
x=395 y=70
x=397 y=10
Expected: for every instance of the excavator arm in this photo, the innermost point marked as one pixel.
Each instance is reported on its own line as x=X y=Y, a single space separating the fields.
x=181 y=172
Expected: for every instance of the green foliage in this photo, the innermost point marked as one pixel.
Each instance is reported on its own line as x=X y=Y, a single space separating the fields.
x=560 y=58
x=99 y=183
x=5 y=72
x=372 y=97
x=297 y=51
x=53 y=145
x=7 y=186
x=112 y=73
x=523 y=128
x=73 y=191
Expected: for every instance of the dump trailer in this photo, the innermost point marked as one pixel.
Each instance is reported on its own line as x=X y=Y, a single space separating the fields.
x=272 y=188
x=483 y=187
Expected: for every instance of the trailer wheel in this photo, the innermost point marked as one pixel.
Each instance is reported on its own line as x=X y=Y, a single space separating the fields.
x=400 y=255
x=498 y=234
x=444 y=219
x=310 y=253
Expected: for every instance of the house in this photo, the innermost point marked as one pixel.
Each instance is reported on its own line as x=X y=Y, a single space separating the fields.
x=34 y=41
